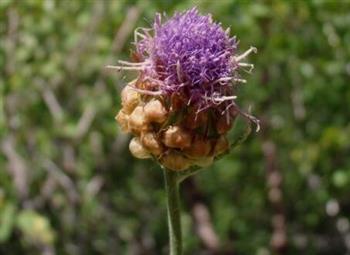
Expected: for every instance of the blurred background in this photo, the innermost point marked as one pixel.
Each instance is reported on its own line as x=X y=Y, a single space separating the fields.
x=68 y=184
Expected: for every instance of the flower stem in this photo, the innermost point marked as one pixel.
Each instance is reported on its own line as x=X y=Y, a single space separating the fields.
x=174 y=212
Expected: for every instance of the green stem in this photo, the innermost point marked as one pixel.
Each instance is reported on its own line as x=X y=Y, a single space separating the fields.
x=174 y=212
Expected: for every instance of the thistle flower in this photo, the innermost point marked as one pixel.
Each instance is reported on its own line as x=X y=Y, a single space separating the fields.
x=183 y=103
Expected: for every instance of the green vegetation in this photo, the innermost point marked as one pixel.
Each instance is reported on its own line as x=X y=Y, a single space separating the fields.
x=68 y=184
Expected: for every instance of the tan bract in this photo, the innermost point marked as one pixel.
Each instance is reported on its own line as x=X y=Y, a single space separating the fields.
x=177 y=143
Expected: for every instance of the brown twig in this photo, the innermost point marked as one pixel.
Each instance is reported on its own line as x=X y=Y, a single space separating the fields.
x=62 y=179
x=85 y=38
x=125 y=29
x=11 y=40
x=17 y=167
x=274 y=184
x=53 y=104
x=123 y=33
x=85 y=121
x=201 y=217
x=274 y=177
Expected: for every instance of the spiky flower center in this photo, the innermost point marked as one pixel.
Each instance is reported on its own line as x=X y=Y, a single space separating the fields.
x=192 y=49
x=193 y=55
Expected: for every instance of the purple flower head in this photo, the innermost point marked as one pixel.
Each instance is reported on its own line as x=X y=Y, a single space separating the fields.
x=190 y=48
x=191 y=56
x=191 y=53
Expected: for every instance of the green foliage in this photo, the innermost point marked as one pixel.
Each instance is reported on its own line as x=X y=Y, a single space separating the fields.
x=35 y=228
x=68 y=183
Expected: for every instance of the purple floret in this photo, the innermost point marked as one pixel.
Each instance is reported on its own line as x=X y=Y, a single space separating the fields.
x=199 y=46
x=191 y=53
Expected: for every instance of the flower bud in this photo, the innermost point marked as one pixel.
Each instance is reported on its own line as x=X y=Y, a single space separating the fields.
x=122 y=118
x=130 y=99
x=149 y=141
x=221 y=145
x=175 y=161
x=155 y=111
x=178 y=104
x=137 y=149
x=177 y=137
x=137 y=120
x=200 y=147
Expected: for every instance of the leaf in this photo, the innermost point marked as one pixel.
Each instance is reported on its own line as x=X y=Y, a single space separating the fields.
x=35 y=227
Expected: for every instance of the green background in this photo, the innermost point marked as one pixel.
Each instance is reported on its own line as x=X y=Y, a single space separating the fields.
x=68 y=184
